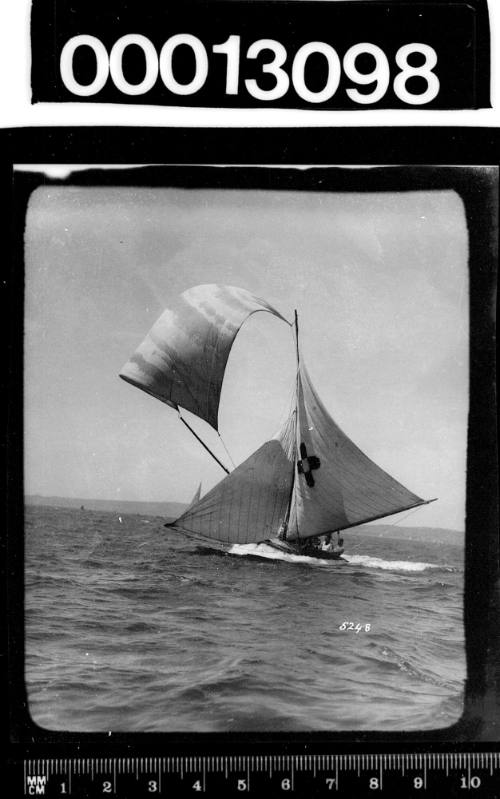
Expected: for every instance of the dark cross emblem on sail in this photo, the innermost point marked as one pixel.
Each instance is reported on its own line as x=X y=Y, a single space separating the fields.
x=306 y=465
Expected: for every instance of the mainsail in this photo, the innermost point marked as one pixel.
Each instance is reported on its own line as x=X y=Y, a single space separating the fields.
x=183 y=358
x=252 y=502
x=308 y=480
x=336 y=484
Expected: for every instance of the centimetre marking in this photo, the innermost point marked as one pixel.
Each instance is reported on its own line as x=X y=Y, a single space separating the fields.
x=75 y=767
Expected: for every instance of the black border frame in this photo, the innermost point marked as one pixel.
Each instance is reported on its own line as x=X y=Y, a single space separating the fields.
x=460 y=147
x=47 y=26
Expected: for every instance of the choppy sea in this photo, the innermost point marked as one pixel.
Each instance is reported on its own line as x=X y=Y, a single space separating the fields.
x=132 y=627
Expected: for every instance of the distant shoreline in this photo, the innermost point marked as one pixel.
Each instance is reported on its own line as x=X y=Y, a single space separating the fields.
x=172 y=510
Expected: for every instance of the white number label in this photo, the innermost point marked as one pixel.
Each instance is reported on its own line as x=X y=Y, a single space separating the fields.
x=357 y=628
x=274 y=67
x=474 y=782
x=116 y=64
x=424 y=71
x=101 y=71
x=380 y=75
x=333 y=72
x=200 y=59
x=231 y=49
x=110 y=65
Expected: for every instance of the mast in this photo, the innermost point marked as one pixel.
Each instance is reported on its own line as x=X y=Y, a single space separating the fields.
x=292 y=487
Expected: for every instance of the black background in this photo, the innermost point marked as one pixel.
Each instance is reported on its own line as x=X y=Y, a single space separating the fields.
x=458 y=31
x=479 y=726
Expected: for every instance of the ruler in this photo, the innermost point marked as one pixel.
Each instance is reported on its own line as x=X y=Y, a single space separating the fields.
x=349 y=775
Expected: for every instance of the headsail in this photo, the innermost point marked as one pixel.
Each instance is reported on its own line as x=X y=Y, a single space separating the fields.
x=336 y=484
x=251 y=503
x=196 y=497
x=183 y=358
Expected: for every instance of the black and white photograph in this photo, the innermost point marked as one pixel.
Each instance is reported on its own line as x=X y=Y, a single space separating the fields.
x=245 y=453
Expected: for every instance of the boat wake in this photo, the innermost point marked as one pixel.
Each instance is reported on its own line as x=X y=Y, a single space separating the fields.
x=271 y=553
x=393 y=565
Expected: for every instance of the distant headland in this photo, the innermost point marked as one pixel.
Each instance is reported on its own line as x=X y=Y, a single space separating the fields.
x=172 y=510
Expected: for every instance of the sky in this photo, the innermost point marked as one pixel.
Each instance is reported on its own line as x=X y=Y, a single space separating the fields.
x=381 y=288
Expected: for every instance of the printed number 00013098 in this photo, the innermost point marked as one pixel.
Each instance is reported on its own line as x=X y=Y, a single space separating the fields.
x=111 y=64
x=349 y=625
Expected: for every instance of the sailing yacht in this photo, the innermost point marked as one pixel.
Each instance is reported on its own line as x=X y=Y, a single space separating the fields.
x=308 y=480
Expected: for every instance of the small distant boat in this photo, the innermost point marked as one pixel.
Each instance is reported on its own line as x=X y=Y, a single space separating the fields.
x=306 y=482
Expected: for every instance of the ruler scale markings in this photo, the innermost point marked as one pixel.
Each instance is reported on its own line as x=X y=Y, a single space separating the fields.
x=54 y=768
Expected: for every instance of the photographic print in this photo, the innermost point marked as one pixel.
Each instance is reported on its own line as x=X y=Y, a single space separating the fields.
x=260 y=527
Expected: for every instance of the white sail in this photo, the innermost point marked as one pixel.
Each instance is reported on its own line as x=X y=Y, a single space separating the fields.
x=183 y=358
x=336 y=485
x=308 y=480
x=251 y=503
x=196 y=497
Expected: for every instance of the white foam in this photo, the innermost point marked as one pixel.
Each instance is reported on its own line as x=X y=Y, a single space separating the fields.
x=389 y=565
x=266 y=551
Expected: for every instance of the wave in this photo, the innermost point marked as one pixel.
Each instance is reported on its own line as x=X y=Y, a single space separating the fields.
x=370 y=562
x=394 y=565
x=271 y=553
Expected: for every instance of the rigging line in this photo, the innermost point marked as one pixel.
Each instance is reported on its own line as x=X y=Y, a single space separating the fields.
x=202 y=443
x=227 y=451
x=413 y=510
